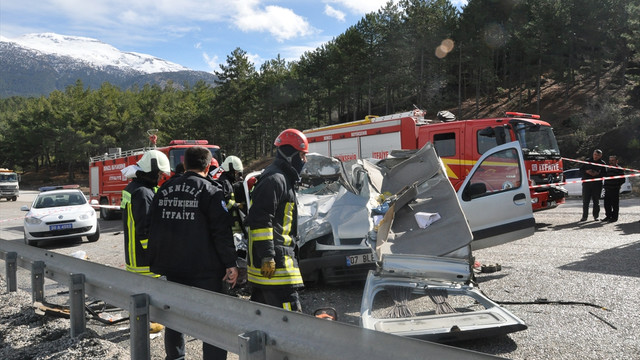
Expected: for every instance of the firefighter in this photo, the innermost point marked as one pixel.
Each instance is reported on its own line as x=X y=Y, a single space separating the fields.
x=136 y=201
x=214 y=169
x=232 y=188
x=272 y=220
x=190 y=239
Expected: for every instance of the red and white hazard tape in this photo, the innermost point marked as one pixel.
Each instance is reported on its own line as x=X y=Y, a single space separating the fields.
x=111 y=207
x=602 y=165
x=22 y=217
x=586 y=180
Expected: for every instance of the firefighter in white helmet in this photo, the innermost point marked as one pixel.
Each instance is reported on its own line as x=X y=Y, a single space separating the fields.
x=229 y=179
x=136 y=201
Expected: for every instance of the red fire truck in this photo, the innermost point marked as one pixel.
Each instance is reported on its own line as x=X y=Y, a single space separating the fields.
x=106 y=181
x=459 y=143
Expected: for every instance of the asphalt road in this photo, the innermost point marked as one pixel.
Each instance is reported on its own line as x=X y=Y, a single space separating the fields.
x=578 y=268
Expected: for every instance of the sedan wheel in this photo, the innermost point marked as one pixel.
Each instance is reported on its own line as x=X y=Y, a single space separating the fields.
x=29 y=242
x=96 y=236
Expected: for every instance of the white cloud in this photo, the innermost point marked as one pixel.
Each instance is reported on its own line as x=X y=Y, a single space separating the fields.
x=280 y=22
x=360 y=7
x=256 y=60
x=211 y=61
x=331 y=12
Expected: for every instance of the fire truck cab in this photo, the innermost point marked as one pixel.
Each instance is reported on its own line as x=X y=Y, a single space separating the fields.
x=459 y=143
x=106 y=180
x=9 y=184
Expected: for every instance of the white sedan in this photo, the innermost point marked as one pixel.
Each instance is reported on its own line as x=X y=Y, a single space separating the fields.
x=60 y=212
x=574 y=186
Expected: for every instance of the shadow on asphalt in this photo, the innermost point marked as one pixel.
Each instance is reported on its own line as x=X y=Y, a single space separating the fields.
x=615 y=261
x=488 y=345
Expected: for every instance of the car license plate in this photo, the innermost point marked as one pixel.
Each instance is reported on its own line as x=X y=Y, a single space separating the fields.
x=360 y=259
x=60 y=227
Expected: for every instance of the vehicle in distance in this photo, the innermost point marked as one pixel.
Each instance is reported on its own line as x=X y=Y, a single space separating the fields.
x=59 y=212
x=574 y=187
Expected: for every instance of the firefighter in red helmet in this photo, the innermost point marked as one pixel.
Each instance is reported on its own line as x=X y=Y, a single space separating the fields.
x=272 y=220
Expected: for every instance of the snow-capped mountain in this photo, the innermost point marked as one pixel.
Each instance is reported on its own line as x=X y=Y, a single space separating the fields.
x=36 y=64
x=94 y=53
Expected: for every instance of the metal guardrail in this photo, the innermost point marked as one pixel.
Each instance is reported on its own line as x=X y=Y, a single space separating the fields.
x=251 y=330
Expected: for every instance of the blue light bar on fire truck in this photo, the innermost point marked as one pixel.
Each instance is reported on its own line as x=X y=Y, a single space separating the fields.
x=189 y=142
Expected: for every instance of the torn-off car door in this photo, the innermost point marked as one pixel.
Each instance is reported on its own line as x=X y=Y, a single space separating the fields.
x=422 y=287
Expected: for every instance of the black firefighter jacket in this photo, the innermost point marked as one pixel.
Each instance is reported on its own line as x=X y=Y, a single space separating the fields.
x=272 y=222
x=136 y=200
x=190 y=230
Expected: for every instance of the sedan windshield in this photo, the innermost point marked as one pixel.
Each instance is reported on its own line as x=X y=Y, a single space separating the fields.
x=59 y=199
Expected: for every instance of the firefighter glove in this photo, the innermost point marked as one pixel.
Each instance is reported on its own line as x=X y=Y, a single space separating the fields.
x=268 y=267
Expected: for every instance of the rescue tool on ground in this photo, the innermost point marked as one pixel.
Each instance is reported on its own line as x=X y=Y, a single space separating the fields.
x=459 y=143
x=106 y=180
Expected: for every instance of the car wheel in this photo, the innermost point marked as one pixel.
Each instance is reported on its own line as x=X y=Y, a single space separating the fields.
x=96 y=235
x=14 y=198
x=29 y=242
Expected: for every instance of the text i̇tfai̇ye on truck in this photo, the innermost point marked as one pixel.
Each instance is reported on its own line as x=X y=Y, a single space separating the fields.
x=459 y=143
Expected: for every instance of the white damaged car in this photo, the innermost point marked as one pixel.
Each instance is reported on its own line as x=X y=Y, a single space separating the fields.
x=399 y=224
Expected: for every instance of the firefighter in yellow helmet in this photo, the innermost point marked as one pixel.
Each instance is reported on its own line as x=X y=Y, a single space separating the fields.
x=135 y=205
x=272 y=267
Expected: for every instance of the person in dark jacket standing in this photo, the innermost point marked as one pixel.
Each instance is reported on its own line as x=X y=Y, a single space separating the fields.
x=190 y=239
x=591 y=190
x=272 y=266
x=612 y=190
x=135 y=205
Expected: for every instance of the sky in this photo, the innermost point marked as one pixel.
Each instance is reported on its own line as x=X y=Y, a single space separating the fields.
x=198 y=34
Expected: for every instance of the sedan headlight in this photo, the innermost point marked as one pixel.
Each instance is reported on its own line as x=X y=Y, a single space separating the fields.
x=32 y=220
x=87 y=215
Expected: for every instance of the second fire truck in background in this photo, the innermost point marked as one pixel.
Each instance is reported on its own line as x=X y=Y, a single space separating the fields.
x=106 y=181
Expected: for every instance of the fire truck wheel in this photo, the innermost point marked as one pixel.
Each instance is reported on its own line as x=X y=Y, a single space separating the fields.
x=96 y=236
x=106 y=214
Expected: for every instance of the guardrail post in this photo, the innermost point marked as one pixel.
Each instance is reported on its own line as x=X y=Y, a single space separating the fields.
x=12 y=265
x=139 y=346
x=252 y=345
x=37 y=281
x=76 y=305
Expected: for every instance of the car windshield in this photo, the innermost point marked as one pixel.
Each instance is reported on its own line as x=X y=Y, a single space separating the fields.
x=59 y=199
x=536 y=139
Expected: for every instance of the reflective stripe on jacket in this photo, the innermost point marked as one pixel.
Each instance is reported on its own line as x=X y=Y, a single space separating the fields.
x=136 y=200
x=273 y=227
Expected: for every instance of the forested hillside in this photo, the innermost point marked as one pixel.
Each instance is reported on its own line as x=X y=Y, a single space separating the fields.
x=575 y=62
